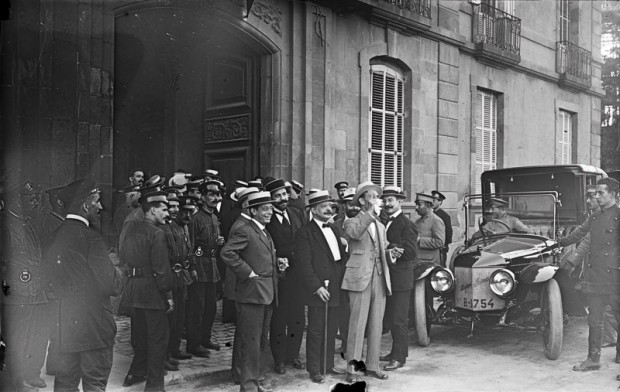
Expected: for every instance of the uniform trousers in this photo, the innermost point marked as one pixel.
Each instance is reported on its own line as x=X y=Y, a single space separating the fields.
x=26 y=333
x=236 y=354
x=250 y=320
x=176 y=319
x=92 y=367
x=149 y=340
x=344 y=312
x=367 y=309
x=201 y=309
x=596 y=310
x=287 y=322
x=397 y=317
x=315 y=338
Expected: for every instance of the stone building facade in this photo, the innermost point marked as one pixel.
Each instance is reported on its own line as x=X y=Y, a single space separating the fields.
x=420 y=93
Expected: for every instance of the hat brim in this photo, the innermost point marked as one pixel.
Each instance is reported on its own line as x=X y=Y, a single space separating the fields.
x=366 y=188
x=317 y=202
x=259 y=203
x=396 y=195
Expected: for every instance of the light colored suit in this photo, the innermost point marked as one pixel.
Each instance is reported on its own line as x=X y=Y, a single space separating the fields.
x=431 y=235
x=367 y=277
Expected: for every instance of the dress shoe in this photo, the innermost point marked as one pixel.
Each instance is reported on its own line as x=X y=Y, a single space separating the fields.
x=317 y=378
x=377 y=374
x=349 y=377
x=393 y=365
x=181 y=356
x=279 y=368
x=36 y=382
x=211 y=345
x=131 y=379
x=385 y=358
x=200 y=352
x=297 y=364
x=336 y=371
x=171 y=367
x=586 y=366
x=173 y=361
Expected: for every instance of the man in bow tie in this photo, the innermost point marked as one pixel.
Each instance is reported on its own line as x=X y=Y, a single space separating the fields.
x=320 y=256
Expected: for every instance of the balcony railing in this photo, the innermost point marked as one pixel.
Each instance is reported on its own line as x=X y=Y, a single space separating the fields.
x=574 y=64
x=496 y=33
x=420 y=7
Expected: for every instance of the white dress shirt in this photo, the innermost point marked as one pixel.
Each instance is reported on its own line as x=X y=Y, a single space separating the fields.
x=332 y=241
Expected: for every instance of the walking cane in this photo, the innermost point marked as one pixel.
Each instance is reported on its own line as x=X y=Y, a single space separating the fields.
x=325 y=344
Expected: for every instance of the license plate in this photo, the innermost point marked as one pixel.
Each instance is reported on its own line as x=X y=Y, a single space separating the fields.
x=478 y=303
x=473 y=291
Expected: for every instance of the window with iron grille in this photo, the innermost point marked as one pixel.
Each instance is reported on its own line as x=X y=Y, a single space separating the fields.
x=565 y=138
x=385 y=163
x=485 y=134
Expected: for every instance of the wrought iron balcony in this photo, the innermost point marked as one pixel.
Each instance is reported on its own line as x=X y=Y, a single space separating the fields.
x=574 y=64
x=496 y=35
x=404 y=15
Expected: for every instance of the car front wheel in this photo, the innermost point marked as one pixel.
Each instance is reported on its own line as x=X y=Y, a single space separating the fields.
x=552 y=319
x=421 y=327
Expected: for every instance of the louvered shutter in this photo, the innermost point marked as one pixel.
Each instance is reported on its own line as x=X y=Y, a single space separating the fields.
x=565 y=137
x=386 y=126
x=486 y=135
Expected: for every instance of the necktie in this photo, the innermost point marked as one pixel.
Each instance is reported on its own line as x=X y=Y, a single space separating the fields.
x=325 y=225
x=285 y=220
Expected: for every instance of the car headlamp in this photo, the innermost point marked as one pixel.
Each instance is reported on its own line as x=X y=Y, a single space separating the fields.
x=442 y=280
x=503 y=282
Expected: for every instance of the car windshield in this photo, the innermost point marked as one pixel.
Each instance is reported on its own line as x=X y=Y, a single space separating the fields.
x=510 y=243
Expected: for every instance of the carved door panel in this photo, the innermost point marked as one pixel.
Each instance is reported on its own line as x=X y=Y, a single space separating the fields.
x=231 y=116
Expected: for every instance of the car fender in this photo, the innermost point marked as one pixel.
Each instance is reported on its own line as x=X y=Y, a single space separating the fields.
x=537 y=273
x=423 y=269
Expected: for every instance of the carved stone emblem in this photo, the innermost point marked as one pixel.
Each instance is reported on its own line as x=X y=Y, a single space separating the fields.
x=271 y=16
x=227 y=129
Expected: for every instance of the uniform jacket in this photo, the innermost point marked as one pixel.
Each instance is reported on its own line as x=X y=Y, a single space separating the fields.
x=45 y=225
x=362 y=253
x=431 y=234
x=251 y=250
x=447 y=222
x=82 y=278
x=602 y=271
x=315 y=264
x=230 y=280
x=401 y=232
x=145 y=248
x=180 y=252
x=204 y=229
x=283 y=237
x=21 y=258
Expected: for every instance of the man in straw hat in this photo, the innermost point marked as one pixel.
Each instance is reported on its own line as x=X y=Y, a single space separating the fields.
x=367 y=278
x=321 y=257
x=251 y=255
x=82 y=277
x=401 y=233
x=147 y=296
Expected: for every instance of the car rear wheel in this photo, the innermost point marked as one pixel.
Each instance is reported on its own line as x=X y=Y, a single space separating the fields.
x=422 y=327
x=552 y=319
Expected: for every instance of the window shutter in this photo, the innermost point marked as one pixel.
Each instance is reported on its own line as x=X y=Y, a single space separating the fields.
x=486 y=135
x=565 y=138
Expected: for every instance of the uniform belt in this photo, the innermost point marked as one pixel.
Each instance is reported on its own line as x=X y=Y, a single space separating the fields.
x=208 y=253
x=177 y=267
x=141 y=272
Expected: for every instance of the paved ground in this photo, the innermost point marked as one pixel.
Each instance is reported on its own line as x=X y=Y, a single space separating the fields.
x=492 y=360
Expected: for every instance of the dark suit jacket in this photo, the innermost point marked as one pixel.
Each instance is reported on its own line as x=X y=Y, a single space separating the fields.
x=249 y=250
x=283 y=237
x=230 y=280
x=402 y=233
x=447 y=221
x=315 y=264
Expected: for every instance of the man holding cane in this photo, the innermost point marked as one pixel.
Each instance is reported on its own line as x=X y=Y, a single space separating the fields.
x=320 y=256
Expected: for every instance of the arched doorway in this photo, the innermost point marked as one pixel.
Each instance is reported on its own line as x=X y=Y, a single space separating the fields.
x=188 y=85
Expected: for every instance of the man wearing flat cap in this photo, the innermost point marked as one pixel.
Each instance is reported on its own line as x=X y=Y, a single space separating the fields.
x=46 y=224
x=287 y=323
x=367 y=277
x=26 y=302
x=297 y=198
x=82 y=278
x=132 y=194
x=401 y=233
x=438 y=199
x=204 y=231
x=147 y=296
x=320 y=257
x=251 y=255
x=500 y=221
x=431 y=230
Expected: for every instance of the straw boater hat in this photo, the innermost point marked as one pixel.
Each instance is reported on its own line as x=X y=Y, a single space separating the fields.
x=242 y=193
x=318 y=198
x=424 y=197
x=172 y=195
x=395 y=191
x=348 y=194
x=259 y=198
x=275 y=185
x=438 y=195
x=257 y=183
x=363 y=188
x=210 y=186
x=152 y=197
x=298 y=186
x=241 y=184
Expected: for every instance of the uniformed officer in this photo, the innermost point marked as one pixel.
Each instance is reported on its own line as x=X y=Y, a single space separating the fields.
x=601 y=278
x=431 y=230
x=148 y=292
x=82 y=278
x=500 y=221
x=46 y=224
x=206 y=238
x=26 y=302
x=438 y=199
x=132 y=194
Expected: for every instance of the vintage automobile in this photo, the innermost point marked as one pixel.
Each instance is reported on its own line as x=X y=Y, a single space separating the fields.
x=506 y=279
